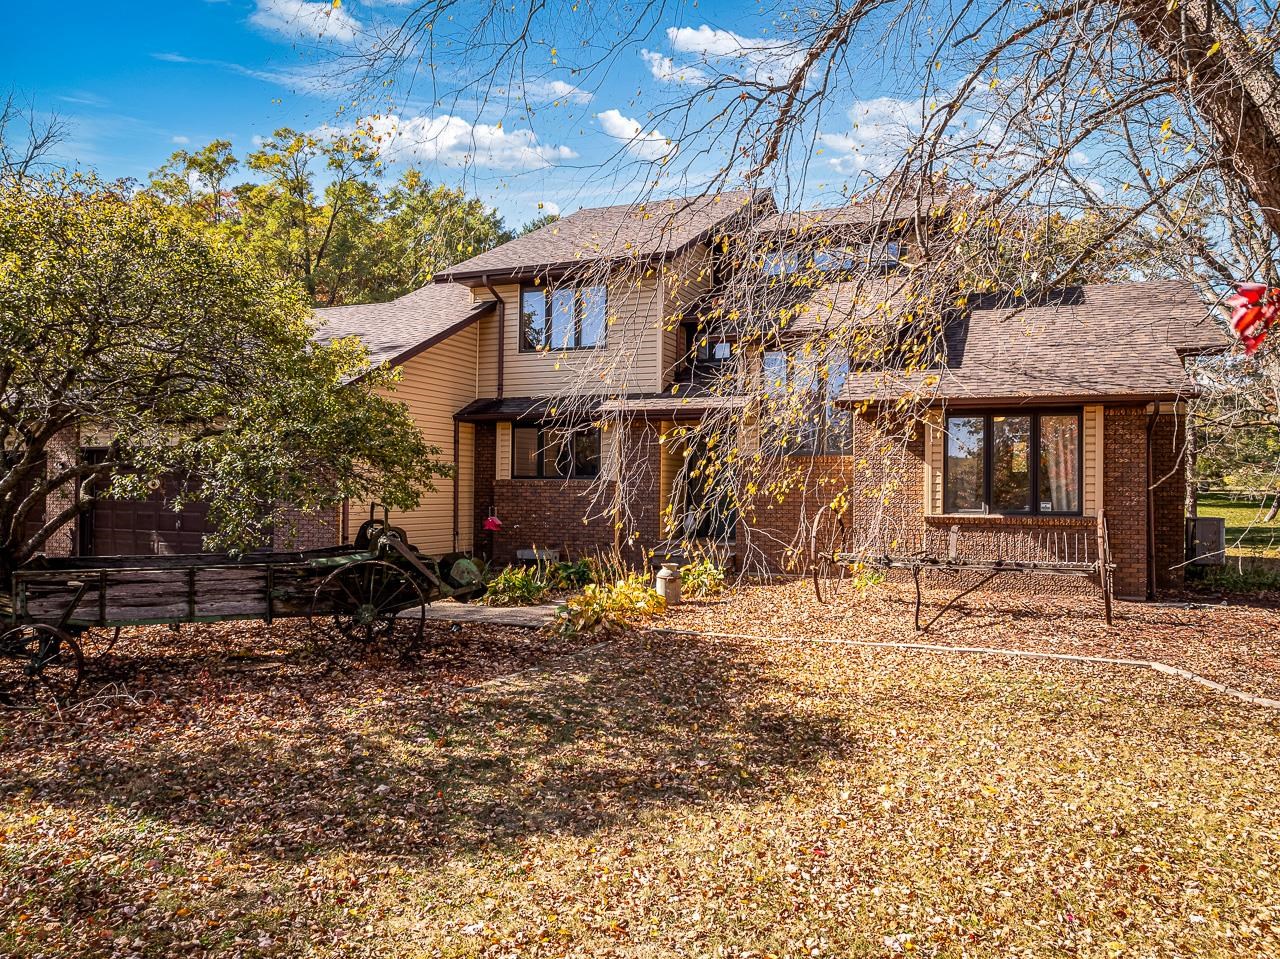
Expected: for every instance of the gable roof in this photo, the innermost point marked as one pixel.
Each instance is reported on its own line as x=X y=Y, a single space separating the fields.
x=1117 y=341
x=640 y=230
x=398 y=330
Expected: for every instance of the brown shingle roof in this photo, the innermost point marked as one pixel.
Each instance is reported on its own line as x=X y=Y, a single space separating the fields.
x=1107 y=340
x=641 y=230
x=858 y=214
x=397 y=330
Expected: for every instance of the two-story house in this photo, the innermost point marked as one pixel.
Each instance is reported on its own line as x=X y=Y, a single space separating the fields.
x=558 y=371
x=566 y=354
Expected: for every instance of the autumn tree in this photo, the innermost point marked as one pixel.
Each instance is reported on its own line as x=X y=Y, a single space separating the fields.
x=197 y=182
x=177 y=353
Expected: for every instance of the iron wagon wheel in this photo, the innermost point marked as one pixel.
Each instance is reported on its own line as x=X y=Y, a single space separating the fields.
x=358 y=605
x=39 y=664
x=827 y=542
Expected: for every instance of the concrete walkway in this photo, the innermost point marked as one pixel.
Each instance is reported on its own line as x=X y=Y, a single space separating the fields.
x=448 y=611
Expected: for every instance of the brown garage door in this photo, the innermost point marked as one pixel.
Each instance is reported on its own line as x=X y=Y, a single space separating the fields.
x=145 y=527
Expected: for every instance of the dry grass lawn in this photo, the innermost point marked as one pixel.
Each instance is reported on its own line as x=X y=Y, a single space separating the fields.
x=656 y=797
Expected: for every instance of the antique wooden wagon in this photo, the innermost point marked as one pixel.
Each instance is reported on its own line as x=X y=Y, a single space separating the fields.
x=352 y=596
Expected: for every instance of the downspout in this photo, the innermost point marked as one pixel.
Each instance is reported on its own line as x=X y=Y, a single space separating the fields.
x=502 y=331
x=457 y=483
x=1151 y=504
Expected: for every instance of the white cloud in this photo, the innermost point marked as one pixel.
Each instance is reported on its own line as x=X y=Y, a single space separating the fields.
x=549 y=90
x=881 y=128
x=180 y=140
x=665 y=69
x=766 y=58
x=647 y=146
x=305 y=19
x=452 y=141
x=550 y=206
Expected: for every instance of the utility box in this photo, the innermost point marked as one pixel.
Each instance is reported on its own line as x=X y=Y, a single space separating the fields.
x=1207 y=541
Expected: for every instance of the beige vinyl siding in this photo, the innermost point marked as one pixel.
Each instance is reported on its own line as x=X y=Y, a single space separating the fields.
x=685 y=278
x=670 y=462
x=502 y=459
x=1093 y=446
x=934 y=446
x=434 y=385
x=629 y=358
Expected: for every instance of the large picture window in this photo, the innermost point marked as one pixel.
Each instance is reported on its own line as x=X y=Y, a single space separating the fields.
x=800 y=399
x=565 y=318
x=1013 y=463
x=539 y=452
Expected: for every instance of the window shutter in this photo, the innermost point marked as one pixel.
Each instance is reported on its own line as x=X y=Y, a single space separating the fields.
x=503 y=457
x=1094 y=418
x=933 y=453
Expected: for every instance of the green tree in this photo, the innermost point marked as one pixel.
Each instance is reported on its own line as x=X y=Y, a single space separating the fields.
x=197 y=181
x=291 y=222
x=538 y=222
x=431 y=226
x=180 y=355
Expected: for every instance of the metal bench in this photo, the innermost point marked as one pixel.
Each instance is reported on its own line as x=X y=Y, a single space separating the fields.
x=838 y=547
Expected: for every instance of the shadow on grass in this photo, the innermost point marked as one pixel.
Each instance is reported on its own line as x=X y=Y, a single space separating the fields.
x=380 y=763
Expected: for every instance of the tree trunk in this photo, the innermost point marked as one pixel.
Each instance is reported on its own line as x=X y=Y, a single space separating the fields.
x=1275 y=509
x=1236 y=91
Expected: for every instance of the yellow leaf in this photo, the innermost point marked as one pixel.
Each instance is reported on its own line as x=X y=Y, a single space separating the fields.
x=1214 y=49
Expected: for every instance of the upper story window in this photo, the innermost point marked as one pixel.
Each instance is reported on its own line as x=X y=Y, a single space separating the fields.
x=546 y=452
x=801 y=392
x=563 y=318
x=880 y=255
x=1013 y=463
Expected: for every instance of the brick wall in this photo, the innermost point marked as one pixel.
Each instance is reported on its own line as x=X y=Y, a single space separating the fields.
x=1169 y=473
x=63 y=451
x=295 y=530
x=486 y=440
x=1124 y=471
x=550 y=513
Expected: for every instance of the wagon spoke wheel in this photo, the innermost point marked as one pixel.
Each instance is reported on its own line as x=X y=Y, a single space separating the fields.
x=39 y=665
x=827 y=543
x=355 y=608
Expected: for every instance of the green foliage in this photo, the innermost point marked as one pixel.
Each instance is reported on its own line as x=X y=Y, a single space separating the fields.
x=319 y=215
x=571 y=575
x=1241 y=578
x=538 y=222
x=161 y=342
x=607 y=607
x=701 y=578
x=862 y=576
x=516 y=586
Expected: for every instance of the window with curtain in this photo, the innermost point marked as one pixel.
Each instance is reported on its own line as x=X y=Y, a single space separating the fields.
x=1013 y=463
x=539 y=452
x=564 y=318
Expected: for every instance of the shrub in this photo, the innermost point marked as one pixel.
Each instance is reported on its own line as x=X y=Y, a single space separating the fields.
x=702 y=577
x=516 y=586
x=601 y=607
x=572 y=575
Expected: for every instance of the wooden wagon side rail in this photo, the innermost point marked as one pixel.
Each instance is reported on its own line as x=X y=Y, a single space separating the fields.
x=1080 y=552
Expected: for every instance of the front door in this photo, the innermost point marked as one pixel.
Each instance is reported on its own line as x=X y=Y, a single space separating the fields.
x=708 y=510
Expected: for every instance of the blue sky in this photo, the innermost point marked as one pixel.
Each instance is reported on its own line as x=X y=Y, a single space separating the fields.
x=140 y=79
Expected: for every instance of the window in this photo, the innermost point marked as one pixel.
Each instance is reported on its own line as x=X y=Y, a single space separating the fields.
x=878 y=255
x=568 y=318
x=539 y=452
x=801 y=392
x=1013 y=463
